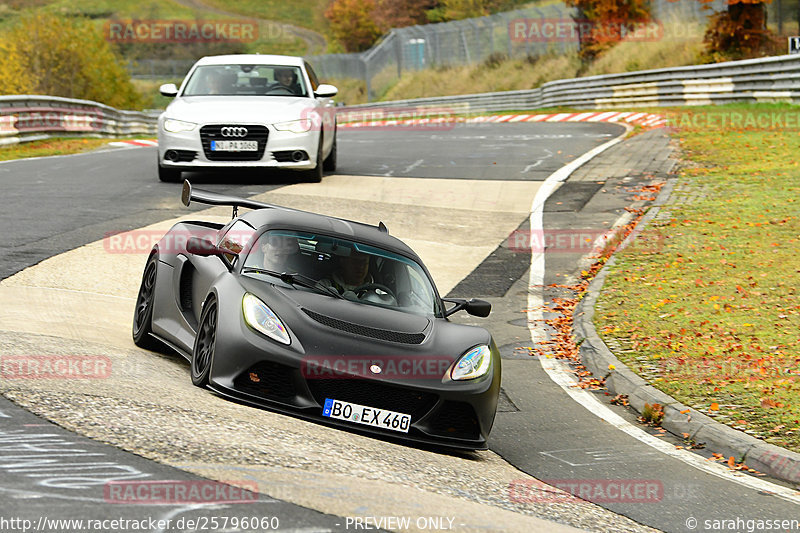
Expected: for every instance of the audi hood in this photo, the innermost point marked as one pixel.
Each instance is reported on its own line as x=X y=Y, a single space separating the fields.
x=240 y=109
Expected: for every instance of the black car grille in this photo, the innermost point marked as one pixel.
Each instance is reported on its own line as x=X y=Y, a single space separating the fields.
x=266 y=379
x=214 y=133
x=373 y=394
x=366 y=331
x=456 y=419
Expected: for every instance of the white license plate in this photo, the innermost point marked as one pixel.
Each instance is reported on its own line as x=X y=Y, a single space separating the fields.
x=368 y=416
x=234 y=146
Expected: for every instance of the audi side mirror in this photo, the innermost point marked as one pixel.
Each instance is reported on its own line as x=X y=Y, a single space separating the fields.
x=168 y=89
x=326 y=91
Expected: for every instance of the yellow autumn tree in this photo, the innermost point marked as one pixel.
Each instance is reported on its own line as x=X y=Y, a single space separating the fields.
x=49 y=55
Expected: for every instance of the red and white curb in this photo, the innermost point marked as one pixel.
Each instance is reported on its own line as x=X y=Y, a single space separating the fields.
x=135 y=142
x=647 y=120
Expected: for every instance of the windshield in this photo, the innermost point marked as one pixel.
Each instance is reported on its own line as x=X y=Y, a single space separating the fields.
x=358 y=272
x=244 y=80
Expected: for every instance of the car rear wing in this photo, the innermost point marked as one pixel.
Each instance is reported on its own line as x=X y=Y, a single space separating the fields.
x=190 y=194
x=212 y=198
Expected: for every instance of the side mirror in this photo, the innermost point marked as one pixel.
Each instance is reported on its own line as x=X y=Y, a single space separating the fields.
x=201 y=247
x=473 y=306
x=168 y=89
x=480 y=308
x=326 y=91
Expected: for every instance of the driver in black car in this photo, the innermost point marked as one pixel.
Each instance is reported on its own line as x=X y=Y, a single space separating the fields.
x=352 y=272
x=353 y=280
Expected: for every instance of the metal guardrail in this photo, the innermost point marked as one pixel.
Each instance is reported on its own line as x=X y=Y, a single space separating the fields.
x=770 y=79
x=30 y=118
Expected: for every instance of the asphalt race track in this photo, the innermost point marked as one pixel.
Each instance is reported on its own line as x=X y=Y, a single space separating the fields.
x=455 y=195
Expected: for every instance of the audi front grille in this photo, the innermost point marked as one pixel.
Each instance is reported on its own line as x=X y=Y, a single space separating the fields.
x=234 y=133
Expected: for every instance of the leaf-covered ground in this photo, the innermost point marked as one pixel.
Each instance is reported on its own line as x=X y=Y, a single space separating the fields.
x=705 y=305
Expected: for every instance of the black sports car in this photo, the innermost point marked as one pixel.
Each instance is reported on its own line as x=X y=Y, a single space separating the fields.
x=320 y=317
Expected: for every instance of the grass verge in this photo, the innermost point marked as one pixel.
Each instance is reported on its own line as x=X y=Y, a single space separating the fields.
x=55 y=146
x=705 y=305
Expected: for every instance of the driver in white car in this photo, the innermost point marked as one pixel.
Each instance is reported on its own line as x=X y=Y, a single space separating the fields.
x=287 y=79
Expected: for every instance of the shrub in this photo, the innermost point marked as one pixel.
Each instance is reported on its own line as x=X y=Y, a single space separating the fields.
x=49 y=55
x=740 y=32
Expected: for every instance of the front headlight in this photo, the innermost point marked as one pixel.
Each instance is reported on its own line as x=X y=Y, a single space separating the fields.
x=262 y=319
x=295 y=126
x=472 y=364
x=177 y=126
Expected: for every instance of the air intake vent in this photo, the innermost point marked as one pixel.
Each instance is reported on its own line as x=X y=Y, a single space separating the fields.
x=366 y=331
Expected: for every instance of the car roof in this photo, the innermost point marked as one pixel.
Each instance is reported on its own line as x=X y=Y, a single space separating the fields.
x=277 y=218
x=251 y=59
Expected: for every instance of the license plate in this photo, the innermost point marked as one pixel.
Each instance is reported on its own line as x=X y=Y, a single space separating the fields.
x=234 y=146
x=368 y=416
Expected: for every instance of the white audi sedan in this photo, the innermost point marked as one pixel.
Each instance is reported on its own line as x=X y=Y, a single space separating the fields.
x=248 y=111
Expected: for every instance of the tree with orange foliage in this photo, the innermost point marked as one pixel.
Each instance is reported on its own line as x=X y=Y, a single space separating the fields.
x=353 y=23
x=739 y=32
x=358 y=24
x=603 y=23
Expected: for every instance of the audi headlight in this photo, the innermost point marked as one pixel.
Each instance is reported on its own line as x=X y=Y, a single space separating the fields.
x=262 y=319
x=177 y=126
x=472 y=364
x=295 y=126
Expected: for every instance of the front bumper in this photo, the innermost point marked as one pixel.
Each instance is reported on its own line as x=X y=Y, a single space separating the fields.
x=252 y=369
x=280 y=145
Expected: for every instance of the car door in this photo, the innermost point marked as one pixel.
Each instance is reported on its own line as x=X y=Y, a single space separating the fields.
x=327 y=110
x=197 y=273
x=235 y=238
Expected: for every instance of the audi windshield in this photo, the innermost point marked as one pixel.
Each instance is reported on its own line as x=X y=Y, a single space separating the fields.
x=246 y=80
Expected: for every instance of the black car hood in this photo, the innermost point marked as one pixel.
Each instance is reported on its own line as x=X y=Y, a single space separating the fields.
x=370 y=316
x=329 y=326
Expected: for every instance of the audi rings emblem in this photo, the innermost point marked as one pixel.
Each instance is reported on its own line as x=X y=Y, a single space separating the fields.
x=230 y=131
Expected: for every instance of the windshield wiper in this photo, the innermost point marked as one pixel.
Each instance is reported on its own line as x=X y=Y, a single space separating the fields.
x=295 y=278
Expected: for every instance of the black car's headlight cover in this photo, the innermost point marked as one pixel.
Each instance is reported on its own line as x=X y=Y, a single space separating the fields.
x=473 y=364
x=261 y=318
